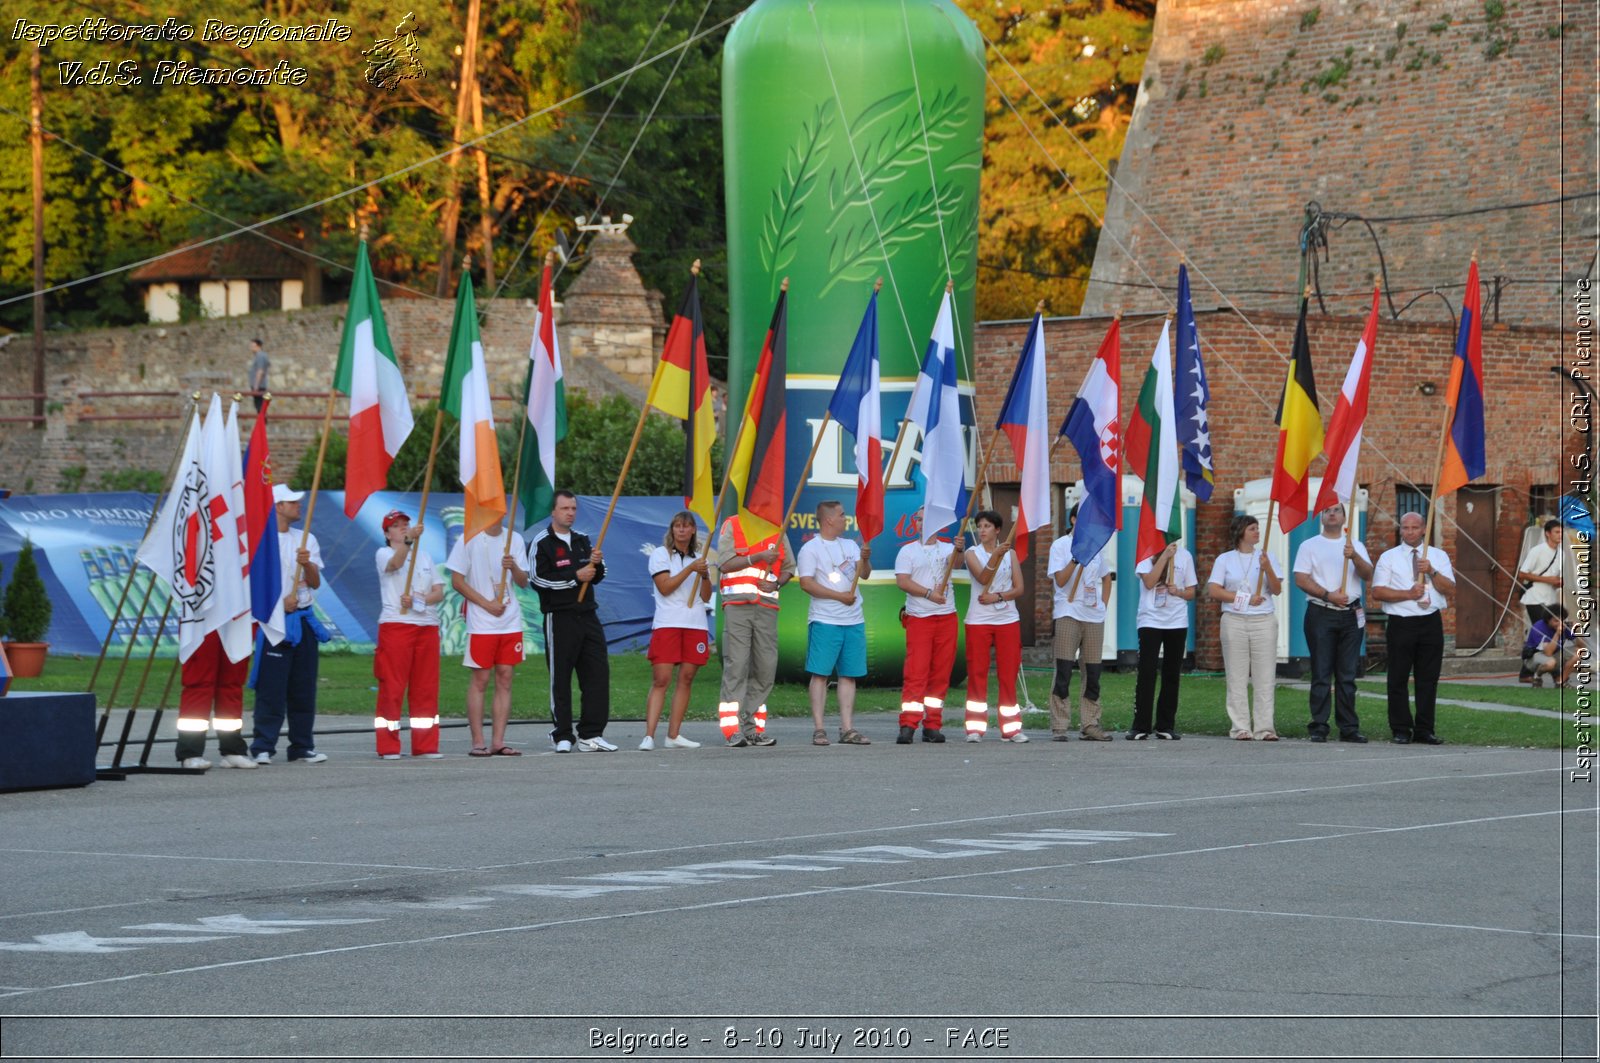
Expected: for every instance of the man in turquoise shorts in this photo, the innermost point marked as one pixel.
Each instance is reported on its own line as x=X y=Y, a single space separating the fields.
x=829 y=568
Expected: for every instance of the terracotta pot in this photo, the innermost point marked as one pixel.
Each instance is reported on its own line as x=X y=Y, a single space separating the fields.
x=26 y=658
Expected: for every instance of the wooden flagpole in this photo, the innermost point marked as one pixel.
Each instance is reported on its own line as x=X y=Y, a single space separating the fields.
x=516 y=472
x=1261 y=576
x=900 y=436
x=433 y=451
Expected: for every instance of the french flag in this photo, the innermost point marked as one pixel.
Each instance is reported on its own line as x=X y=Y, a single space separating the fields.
x=261 y=543
x=856 y=407
x=1024 y=419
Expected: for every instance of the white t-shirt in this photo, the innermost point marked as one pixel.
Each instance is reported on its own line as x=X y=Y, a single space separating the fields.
x=1002 y=612
x=478 y=561
x=832 y=563
x=925 y=563
x=1085 y=603
x=1322 y=559
x=1535 y=563
x=1238 y=574
x=676 y=609
x=1394 y=571
x=1159 y=608
x=392 y=584
x=288 y=549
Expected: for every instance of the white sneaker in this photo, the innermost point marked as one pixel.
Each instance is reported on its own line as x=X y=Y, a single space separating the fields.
x=263 y=759
x=312 y=757
x=681 y=743
x=1019 y=737
x=563 y=746
x=388 y=756
x=196 y=763
x=236 y=760
x=597 y=744
x=648 y=743
x=974 y=736
x=429 y=756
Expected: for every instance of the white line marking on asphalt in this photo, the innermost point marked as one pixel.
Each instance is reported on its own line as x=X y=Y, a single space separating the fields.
x=186 y=858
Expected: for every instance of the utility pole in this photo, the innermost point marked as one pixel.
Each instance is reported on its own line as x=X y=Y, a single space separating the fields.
x=37 y=138
x=452 y=204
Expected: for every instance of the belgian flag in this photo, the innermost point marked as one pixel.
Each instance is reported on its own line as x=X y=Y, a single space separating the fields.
x=681 y=388
x=762 y=433
x=1299 y=433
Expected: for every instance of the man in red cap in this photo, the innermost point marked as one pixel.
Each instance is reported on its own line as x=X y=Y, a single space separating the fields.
x=407 y=658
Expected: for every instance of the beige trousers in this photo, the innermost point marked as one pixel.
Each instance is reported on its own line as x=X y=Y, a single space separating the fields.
x=1250 y=657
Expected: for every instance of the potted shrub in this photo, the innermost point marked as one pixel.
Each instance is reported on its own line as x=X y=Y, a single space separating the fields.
x=26 y=616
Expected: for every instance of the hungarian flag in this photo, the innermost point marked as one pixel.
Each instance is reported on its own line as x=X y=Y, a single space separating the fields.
x=1092 y=427
x=1299 y=433
x=261 y=533
x=1464 y=453
x=465 y=394
x=547 y=411
x=762 y=431
x=380 y=413
x=1191 y=398
x=1349 y=414
x=681 y=388
x=857 y=407
x=1153 y=452
x=1024 y=418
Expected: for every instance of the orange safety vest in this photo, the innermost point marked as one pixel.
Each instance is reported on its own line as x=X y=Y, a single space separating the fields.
x=743 y=587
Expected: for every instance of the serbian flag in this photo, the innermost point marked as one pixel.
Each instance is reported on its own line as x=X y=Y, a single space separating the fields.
x=1092 y=428
x=1349 y=414
x=681 y=388
x=1153 y=452
x=1025 y=419
x=368 y=372
x=1299 y=433
x=855 y=405
x=261 y=533
x=1191 y=398
x=936 y=412
x=1464 y=455
x=762 y=431
x=466 y=395
x=547 y=410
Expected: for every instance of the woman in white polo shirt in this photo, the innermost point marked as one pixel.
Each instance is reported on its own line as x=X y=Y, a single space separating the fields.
x=678 y=637
x=1244 y=581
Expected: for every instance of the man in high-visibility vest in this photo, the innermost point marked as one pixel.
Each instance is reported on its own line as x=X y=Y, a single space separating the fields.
x=749 y=577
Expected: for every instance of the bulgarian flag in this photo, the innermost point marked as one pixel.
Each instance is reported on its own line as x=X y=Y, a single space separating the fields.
x=547 y=411
x=1343 y=443
x=466 y=395
x=1152 y=452
x=380 y=413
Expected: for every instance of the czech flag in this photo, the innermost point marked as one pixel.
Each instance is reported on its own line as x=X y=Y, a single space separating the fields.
x=1025 y=419
x=762 y=432
x=856 y=406
x=681 y=388
x=1464 y=455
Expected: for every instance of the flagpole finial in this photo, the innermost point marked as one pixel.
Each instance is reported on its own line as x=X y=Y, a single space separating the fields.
x=1307 y=293
x=266 y=397
x=695 y=269
x=195 y=397
x=1117 y=315
x=466 y=264
x=237 y=397
x=784 y=286
x=878 y=286
x=549 y=258
x=1038 y=308
x=1170 y=315
x=1474 y=254
x=364 y=230
x=949 y=286
x=1183 y=259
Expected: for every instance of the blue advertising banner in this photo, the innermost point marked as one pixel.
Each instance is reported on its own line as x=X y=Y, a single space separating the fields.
x=85 y=546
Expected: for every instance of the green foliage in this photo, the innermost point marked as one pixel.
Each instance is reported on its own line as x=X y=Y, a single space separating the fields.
x=588 y=460
x=1212 y=55
x=149 y=481
x=1309 y=18
x=71 y=477
x=27 y=606
x=1336 y=71
x=1494 y=10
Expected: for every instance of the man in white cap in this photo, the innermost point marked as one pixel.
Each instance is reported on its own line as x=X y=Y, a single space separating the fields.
x=286 y=668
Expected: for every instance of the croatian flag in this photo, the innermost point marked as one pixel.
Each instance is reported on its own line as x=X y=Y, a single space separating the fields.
x=1024 y=418
x=936 y=412
x=855 y=406
x=261 y=534
x=1093 y=429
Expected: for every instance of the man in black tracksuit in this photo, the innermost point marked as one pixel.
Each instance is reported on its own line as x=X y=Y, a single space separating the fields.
x=561 y=563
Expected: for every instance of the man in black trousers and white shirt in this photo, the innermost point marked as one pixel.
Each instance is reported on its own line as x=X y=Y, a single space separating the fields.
x=1414 y=582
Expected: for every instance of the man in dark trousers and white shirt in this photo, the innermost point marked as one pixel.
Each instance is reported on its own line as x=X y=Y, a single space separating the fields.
x=286 y=673
x=561 y=562
x=1414 y=582
x=1332 y=572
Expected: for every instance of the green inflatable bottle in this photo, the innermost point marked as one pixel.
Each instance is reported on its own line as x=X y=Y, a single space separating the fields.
x=853 y=142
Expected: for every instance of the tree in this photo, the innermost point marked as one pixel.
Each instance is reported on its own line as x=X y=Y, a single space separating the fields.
x=27 y=605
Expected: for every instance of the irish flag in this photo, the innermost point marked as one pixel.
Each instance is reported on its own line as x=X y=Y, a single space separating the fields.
x=547 y=410
x=380 y=413
x=465 y=395
x=1152 y=452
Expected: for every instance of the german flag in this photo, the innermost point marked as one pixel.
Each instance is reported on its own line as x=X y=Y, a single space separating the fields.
x=762 y=433
x=1299 y=433
x=681 y=388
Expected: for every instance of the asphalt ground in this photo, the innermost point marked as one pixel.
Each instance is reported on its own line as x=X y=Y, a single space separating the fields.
x=1200 y=899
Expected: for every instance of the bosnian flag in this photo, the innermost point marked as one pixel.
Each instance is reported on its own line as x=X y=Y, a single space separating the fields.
x=380 y=413
x=1024 y=418
x=1092 y=427
x=855 y=405
x=1153 y=453
x=465 y=395
x=1343 y=444
x=261 y=533
x=936 y=412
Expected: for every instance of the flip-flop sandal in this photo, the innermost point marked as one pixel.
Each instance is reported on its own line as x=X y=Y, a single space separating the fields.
x=1243 y=738
x=819 y=738
x=1268 y=737
x=478 y=751
x=505 y=751
x=854 y=737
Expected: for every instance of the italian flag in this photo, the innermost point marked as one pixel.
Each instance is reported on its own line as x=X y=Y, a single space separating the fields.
x=547 y=410
x=465 y=395
x=380 y=413
x=1152 y=452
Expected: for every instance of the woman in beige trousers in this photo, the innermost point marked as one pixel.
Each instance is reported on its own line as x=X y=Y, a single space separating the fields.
x=1244 y=582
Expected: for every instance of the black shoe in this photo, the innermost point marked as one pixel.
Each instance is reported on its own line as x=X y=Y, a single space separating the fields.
x=932 y=734
x=1168 y=736
x=905 y=736
x=1133 y=736
x=1318 y=737
x=763 y=740
x=1429 y=740
x=1354 y=736
x=1401 y=739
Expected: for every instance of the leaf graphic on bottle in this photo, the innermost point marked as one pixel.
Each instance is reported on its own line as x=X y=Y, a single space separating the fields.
x=780 y=227
x=859 y=251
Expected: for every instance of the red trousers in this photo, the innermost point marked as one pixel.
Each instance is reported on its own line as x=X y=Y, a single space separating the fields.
x=407 y=659
x=211 y=684
x=1006 y=641
x=930 y=654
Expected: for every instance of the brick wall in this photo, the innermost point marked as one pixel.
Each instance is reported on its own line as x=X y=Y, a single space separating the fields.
x=1249 y=110
x=1527 y=427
